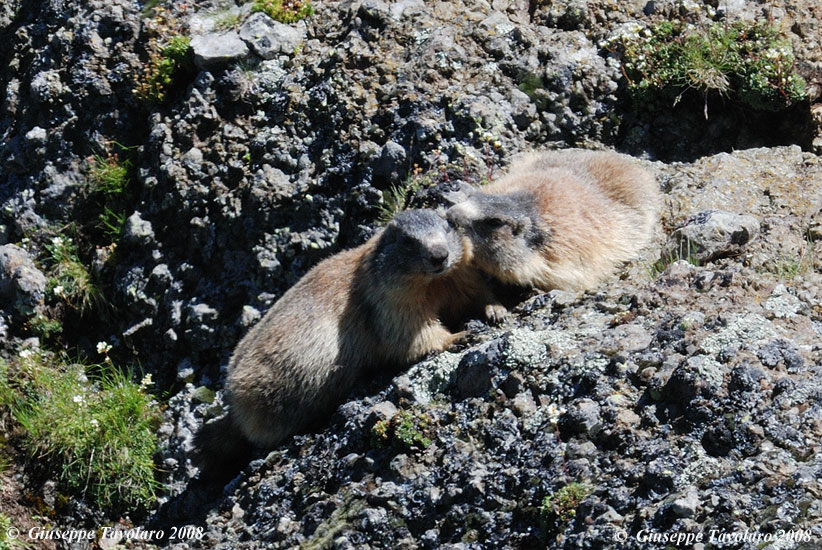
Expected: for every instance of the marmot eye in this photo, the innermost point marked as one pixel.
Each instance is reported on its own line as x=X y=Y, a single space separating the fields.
x=405 y=240
x=493 y=223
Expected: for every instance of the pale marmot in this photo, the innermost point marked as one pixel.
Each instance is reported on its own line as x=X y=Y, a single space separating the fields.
x=560 y=219
x=377 y=306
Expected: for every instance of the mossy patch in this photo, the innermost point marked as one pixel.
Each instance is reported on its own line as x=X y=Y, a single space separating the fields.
x=284 y=11
x=410 y=429
x=560 y=507
x=169 y=57
x=750 y=63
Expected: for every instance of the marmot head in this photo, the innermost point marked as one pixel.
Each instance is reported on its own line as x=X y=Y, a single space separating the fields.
x=418 y=242
x=506 y=231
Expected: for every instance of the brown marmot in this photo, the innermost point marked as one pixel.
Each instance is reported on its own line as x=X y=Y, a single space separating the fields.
x=560 y=219
x=377 y=306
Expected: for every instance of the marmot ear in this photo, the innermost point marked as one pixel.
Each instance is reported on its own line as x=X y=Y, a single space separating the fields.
x=462 y=193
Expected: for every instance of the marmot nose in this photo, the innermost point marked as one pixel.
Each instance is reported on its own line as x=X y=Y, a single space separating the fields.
x=438 y=254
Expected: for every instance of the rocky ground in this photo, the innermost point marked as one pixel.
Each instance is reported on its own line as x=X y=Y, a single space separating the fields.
x=683 y=396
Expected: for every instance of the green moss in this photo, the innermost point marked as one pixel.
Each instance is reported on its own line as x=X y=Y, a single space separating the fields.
x=44 y=327
x=284 y=11
x=339 y=522
x=410 y=429
x=746 y=62
x=562 y=505
x=91 y=424
x=532 y=85
x=168 y=56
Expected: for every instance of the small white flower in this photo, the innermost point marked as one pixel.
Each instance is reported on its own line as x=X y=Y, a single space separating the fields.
x=146 y=381
x=77 y=399
x=59 y=290
x=26 y=353
x=103 y=347
x=57 y=241
x=94 y=422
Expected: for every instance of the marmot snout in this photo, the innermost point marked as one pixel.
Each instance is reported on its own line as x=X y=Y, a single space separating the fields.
x=563 y=219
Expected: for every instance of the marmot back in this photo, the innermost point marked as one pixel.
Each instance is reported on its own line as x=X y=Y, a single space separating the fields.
x=563 y=219
x=371 y=307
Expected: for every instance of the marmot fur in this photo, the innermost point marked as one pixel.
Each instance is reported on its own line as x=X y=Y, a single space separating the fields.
x=561 y=219
x=373 y=307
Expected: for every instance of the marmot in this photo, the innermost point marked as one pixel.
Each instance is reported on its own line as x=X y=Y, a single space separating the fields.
x=561 y=219
x=376 y=306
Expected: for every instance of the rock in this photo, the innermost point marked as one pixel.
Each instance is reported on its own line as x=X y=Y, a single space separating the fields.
x=269 y=38
x=782 y=304
x=404 y=8
x=392 y=164
x=46 y=87
x=777 y=352
x=384 y=410
x=423 y=381
x=137 y=231
x=22 y=285
x=711 y=235
x=497 y=23
x=582 y=417
x=217 y=50
x=686 y=506
x=698 y=376
x=473 y=375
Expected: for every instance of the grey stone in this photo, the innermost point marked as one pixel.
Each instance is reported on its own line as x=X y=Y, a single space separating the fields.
x=249 y=316
x=269 y=38
x=582 y=417
x=36 y=136
x=392 y=162
x=137 y=230
x=782 y=304
x=685 y=506
x=46 y=86
x=711 y=235
x=384 y=410
x=201 y=313
x=216 y=50
x=193 y=159
x=22 y=285
x=473 y=375
x=698 y=376
x=404 y=8
x=497 y=23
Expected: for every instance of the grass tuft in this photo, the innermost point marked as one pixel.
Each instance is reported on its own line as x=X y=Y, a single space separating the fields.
x=92 y=424
x=69 y=279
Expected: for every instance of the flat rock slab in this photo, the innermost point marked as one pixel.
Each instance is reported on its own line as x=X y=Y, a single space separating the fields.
x=713 y=234
x=215 y=50
x=269 y=38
